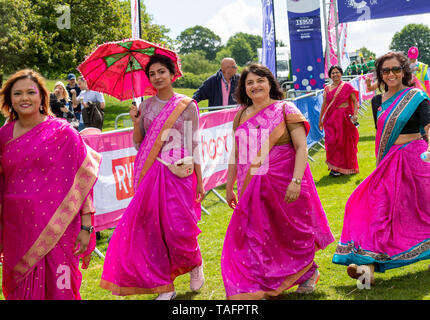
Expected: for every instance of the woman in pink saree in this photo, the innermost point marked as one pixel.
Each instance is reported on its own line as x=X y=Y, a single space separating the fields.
x=338 y=114
x=46 y=182
x=278 y=223
x=387 y=217
x=156 y=239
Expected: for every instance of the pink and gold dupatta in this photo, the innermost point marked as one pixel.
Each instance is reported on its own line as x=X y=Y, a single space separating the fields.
x=153 y=140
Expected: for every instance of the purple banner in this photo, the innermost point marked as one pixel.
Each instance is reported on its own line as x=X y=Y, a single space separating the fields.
x=307 y=58
x=269 y=41
x=358 y=10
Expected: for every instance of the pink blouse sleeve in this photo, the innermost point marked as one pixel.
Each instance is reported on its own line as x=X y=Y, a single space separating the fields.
x=192 y=131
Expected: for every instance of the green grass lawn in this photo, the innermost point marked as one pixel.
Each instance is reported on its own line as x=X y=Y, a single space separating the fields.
x=411 y=282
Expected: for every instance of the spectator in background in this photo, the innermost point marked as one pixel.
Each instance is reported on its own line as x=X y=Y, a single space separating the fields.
x=364 y=66
x=59 y=100
x=371 y=64
x=85 y=98
x=71 y=87
x=359 y=69
x=354 y=68
x=419 y=69
x=219 y=88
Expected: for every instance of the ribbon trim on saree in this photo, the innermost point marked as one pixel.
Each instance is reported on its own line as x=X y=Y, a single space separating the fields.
x=392 y=122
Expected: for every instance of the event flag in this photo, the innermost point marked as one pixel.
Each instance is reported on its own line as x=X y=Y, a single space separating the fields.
x=358 y=10
x=269 y=38
x=307 y=58
x=332 y=58
x=135 y=19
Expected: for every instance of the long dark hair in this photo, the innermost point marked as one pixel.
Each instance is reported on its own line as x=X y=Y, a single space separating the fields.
x=407 y=78
x=275 y=93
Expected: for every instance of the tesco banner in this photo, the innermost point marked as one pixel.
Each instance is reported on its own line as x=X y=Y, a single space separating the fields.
x=114 y=188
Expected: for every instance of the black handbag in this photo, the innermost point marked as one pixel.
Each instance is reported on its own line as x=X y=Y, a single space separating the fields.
x=93 y=115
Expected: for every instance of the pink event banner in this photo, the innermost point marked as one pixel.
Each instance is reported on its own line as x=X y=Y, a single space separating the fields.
x=114 y=188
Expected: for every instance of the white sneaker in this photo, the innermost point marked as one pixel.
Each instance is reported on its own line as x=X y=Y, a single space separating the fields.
x=197 y=278
x=309 y=285
x=166 y=296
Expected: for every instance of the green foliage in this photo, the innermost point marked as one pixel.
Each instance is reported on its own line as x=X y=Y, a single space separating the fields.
x=413 y=34
x=191 y=80
x=254 y=41
x=199 y=38
x=196 y=62
x=32 y=34
x=224 y=52
x=241 y=51
x=241 y=46
x=367 y=53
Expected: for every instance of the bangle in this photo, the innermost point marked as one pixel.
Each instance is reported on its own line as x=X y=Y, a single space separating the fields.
x=297 y=180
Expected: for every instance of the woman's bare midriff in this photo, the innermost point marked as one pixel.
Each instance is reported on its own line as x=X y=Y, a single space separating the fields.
x=406 y=138
x=343 y=105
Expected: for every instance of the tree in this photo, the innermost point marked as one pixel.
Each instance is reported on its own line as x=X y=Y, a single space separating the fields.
x=199 y=38
x=196 y=62
x=417 y=35
x=224 y=52
x=15 y=16
x=241 y=51
x=32 y=32
x=254 y=41
x=367 y=53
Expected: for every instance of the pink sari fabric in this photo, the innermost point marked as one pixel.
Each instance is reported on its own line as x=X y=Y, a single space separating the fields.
x=269 y=241
x=341 y=136
x=48 y=173
x=156 y=238
x=387 y=218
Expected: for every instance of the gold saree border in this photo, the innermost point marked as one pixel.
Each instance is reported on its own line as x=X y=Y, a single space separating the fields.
x=128 y=291
x=84 y=180
x=338 y=90
x=88 y=207
x=295 y=117
x=285 y=285
x=182 y=105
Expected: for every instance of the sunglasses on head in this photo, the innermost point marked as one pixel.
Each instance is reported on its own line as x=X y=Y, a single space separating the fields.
x=395 y=70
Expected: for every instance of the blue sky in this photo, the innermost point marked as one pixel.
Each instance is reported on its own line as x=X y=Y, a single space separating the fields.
x=226 y=17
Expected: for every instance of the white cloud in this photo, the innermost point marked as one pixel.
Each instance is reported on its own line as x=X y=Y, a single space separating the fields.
x=239 y=16
x=376 y=35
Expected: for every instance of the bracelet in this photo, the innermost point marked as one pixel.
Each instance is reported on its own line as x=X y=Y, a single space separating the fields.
x=297 y=180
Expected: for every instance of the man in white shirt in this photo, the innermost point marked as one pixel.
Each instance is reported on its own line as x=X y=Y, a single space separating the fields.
x=87 y=95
